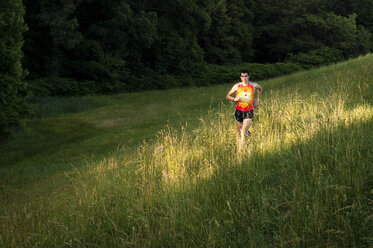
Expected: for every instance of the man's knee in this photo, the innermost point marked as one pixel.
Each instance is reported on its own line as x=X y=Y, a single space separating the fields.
x=247 y=122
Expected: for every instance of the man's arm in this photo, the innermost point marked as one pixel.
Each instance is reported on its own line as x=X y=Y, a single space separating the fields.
x=259 y=89
x=231 y=92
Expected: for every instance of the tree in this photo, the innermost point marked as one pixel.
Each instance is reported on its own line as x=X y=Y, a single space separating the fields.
x=287 y=26
x=242 y=17
x=343 y=34
x=290 y=27
x=116 y=44
x=218 y=39
x=13 y=105
x=60 y=19
x=176 y=50
x=364 y=18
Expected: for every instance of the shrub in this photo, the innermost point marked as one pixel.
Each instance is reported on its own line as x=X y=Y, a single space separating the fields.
x=13 y=90
x=314 y=58
x=147 y=79
x=217 y=74
x=54 y=86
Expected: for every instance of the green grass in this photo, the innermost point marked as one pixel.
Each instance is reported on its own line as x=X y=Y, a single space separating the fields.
x=107 y=176
x=66 y=136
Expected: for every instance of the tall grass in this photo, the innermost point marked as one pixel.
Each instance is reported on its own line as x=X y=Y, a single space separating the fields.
x=304 y=178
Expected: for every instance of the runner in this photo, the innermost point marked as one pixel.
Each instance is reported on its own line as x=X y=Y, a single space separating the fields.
x=244 y=114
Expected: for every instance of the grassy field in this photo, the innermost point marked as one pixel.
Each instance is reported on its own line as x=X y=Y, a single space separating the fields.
x=161 y=168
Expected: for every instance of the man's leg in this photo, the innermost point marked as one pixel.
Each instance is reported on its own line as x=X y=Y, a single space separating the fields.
x=245 y=126
x=239 y=128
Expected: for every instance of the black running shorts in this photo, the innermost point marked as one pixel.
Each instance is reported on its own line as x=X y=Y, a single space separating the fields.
x=241 y=115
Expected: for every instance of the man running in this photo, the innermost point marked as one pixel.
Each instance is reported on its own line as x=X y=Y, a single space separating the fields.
x=244 y=113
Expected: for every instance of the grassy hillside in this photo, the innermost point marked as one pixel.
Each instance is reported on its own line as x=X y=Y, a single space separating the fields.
x=161 y=169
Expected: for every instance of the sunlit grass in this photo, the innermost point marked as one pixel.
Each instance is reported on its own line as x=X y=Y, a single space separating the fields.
x=304 y=179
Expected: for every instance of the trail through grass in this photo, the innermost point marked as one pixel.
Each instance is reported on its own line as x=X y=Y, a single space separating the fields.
x=305 y=178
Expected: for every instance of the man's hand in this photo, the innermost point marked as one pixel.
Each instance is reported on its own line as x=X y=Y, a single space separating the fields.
x=256 y=103
x=236 y=99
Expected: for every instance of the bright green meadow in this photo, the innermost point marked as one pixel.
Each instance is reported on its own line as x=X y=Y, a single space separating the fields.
x=162 y=169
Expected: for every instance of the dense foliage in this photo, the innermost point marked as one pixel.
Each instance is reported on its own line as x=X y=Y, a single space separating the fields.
x=86 y=46
x=12 y=88
x=285 y=28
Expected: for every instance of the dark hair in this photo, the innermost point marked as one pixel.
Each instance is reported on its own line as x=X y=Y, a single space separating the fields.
x=245 y=71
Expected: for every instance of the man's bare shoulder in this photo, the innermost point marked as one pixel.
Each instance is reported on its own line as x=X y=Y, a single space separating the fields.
x=236 y=85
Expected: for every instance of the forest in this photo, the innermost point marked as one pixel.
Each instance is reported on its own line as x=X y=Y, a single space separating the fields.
x=80 y=47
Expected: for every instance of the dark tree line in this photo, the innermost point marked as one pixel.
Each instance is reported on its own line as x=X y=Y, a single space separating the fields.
x=112 y=43
x=98 y=46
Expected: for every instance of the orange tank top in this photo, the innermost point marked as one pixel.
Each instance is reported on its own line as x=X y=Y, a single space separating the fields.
x=246 y=94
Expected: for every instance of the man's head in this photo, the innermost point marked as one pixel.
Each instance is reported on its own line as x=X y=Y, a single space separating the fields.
x=245 y=75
